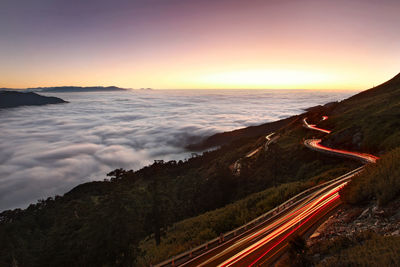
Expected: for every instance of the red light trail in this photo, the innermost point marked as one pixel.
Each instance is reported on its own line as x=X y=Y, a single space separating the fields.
x=313 y=126
x=261 y=244
x=302 y=215
x=308 y=212
x=316 y=144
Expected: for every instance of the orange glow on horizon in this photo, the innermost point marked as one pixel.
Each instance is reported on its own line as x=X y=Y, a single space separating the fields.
x=187 y=79
x=267 y=78
x=202 y=44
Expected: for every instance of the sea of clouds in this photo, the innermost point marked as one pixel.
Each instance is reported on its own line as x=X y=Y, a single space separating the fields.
x=47 y=150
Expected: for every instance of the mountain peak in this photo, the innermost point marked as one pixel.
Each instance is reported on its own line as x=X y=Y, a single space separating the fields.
x=391 y=86
x=395 y=79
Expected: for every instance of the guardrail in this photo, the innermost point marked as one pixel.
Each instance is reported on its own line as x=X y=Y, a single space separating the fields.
x=218 y=241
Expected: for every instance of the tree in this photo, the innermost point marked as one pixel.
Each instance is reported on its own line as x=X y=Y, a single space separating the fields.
x=297 y=252
x=161 y=211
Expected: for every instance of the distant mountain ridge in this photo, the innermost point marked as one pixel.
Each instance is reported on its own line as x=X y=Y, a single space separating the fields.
x=66 y=89
x=137 y=218
x=10 y=99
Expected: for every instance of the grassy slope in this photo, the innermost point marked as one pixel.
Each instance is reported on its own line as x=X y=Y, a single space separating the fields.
x=379 y=123
x=373 y=115
x=364 y=249
x=181 y=237
x=379 y=182
x=248 y=132
x=380 y=250
x=102 y=223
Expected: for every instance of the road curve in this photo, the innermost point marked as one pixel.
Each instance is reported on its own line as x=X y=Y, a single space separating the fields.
x=315 y=144
x=276 y=238
x=261 y=245
x=313 y=126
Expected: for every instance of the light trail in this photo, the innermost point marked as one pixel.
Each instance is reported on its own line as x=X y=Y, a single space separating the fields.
x=232 y=261
x=300 y=216
x=313 y=126
x=268 y=137
x=269 y=140
x=248 y=248
x=337 y=197
x=257 y=234
x=316 y=143
x=254 y=152
x=311 y=209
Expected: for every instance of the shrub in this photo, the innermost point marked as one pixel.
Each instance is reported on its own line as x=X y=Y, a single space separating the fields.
x=368 y=251
x=380 y=181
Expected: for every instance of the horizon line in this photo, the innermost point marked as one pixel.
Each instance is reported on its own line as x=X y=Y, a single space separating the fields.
x=160 y=89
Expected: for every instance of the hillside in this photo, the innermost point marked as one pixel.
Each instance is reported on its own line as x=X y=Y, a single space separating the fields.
x=368 y=121
x=10 y=99
x=219 y=139
x=141 y=217
x=365 y=231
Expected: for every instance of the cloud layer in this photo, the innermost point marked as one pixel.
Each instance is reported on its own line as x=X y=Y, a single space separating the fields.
x=47 y=150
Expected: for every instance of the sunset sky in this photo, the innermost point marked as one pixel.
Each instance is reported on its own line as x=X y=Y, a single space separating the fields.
x=183 y=44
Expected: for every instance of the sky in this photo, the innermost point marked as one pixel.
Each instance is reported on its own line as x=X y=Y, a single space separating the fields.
x=207 y=44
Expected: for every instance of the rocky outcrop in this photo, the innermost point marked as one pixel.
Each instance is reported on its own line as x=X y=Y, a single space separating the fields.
x=349 y=222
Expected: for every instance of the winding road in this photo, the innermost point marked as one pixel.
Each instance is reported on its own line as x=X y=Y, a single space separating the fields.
x=268 y=238
x=315 y=144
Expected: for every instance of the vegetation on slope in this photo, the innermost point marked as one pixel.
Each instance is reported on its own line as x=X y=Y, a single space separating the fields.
x=380 y=181
x=368 y=121
x=373 y=242
x=363 y=249
x=224 y=138
x=181 y=237
x=104 y=223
